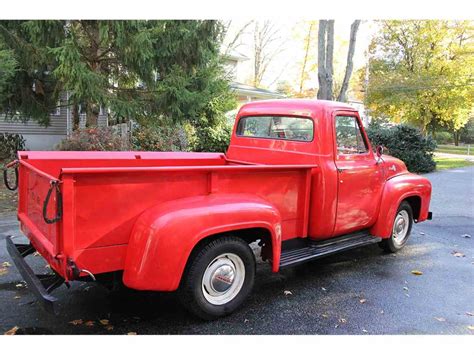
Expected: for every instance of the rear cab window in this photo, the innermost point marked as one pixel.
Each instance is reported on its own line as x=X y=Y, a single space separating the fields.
x=276 y=127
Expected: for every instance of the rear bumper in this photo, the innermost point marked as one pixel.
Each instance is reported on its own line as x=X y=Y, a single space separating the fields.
x=40 y=285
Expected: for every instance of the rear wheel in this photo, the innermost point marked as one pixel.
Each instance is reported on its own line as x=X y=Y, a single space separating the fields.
x=402 y=225
x=218 y=278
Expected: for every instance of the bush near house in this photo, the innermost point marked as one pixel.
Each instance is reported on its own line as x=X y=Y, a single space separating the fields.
x=10 y=144
x=160 y=137
x=406 y=143
x=98 y=138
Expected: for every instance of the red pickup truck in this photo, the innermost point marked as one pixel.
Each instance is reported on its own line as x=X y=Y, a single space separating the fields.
x=300 y=177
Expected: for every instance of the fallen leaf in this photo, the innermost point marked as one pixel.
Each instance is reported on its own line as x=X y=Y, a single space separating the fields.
x=364 y=330
x=416 y=272
x=16 y=297
x=363 y=300
x=89 y=323
x=20 y=285
x=422 y=233
x=246 y=320
x=76 y=322
x=47 y=266
x=458 y=254
x=287 y=293
x=3 y=271
x=6 y=264
x=325 y=316
x=131 y=333
x=440 y=319
x=405 y=288
x=470 y=327
x=36 y=253
x=323 y=288
x=382 y=312
x=466 y=236
x=342 y=320
x=470 y=314
x=11 y=331
x=109 y=327
x=104 y=321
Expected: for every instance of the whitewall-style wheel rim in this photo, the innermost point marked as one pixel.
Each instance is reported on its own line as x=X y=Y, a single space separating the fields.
x=223 y=279
x=400 y=227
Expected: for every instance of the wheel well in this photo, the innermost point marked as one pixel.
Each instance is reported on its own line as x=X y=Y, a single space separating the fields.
x=249 y=235
x=415 y=203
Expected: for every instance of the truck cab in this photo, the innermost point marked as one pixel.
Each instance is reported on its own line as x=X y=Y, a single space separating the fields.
x=300 y=177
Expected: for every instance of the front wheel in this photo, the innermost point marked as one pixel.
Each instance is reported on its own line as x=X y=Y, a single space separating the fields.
x=401 y=229
x=218 y=278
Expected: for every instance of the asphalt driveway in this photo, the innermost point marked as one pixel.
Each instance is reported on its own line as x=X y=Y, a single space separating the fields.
x=363 y=291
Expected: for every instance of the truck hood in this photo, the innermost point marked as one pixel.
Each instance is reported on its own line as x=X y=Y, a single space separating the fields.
x=393 y=166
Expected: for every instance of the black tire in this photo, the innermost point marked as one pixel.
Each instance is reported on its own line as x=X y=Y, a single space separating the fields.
x=191 y=291
x=390 y=245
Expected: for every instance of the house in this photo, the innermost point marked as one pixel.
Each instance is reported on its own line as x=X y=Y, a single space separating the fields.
x=38 y=137
x=244 y=92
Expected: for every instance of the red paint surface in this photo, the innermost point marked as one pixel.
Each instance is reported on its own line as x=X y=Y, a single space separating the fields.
x=144 y=212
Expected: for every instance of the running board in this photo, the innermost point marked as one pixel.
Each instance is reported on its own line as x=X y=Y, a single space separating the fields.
x=300 y=250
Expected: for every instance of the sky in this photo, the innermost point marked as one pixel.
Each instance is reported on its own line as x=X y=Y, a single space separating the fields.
x=286 y=65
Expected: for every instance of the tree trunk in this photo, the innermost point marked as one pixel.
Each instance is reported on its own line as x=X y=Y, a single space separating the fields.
x=456 y=138
x=75 y=117
x=350 y=62
x=329 y=59
x=322 y=91
x=92 y=116
x=306 y=54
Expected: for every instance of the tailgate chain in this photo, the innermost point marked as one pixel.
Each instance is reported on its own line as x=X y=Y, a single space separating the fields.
x=59 y=203
x=5 y=175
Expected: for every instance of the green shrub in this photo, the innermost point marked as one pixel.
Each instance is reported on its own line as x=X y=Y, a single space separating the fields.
x=443 y=137
x=162 y=138
x=213 y=139
x=10 y=144
x=467 y=132
x=405 y=143
x=100 y=138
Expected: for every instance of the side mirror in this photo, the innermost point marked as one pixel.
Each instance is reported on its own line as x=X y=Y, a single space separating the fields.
x=379 y=150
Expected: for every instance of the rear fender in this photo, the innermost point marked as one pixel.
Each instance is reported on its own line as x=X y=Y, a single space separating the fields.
x=164 y=236
x=395 y=191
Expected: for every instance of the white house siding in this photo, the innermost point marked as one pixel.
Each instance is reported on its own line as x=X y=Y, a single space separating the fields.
x=38 y=137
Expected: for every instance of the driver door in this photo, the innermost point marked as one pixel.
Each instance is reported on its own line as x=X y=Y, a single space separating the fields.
x=360 y=177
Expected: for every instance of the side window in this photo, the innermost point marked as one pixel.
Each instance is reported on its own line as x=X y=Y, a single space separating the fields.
x=349 y=137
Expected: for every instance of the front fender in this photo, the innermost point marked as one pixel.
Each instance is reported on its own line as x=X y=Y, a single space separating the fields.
x=164 y=236
x=395 y=191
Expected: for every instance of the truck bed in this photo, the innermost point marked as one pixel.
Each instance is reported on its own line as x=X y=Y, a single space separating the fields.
x=103 y=193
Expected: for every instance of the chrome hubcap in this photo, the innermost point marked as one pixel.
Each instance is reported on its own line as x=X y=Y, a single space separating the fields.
x=400 y=227
x=223 y=279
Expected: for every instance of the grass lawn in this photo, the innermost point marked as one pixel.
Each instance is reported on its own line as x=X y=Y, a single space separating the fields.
x=450 y=163
x=452 y=149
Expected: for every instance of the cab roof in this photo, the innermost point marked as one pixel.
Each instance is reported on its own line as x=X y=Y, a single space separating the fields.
x=303 y=107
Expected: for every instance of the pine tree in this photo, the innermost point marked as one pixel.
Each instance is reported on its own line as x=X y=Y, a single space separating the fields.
x=145 y=70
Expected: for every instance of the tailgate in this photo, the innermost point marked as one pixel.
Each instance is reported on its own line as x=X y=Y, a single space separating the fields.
x=39 y=211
